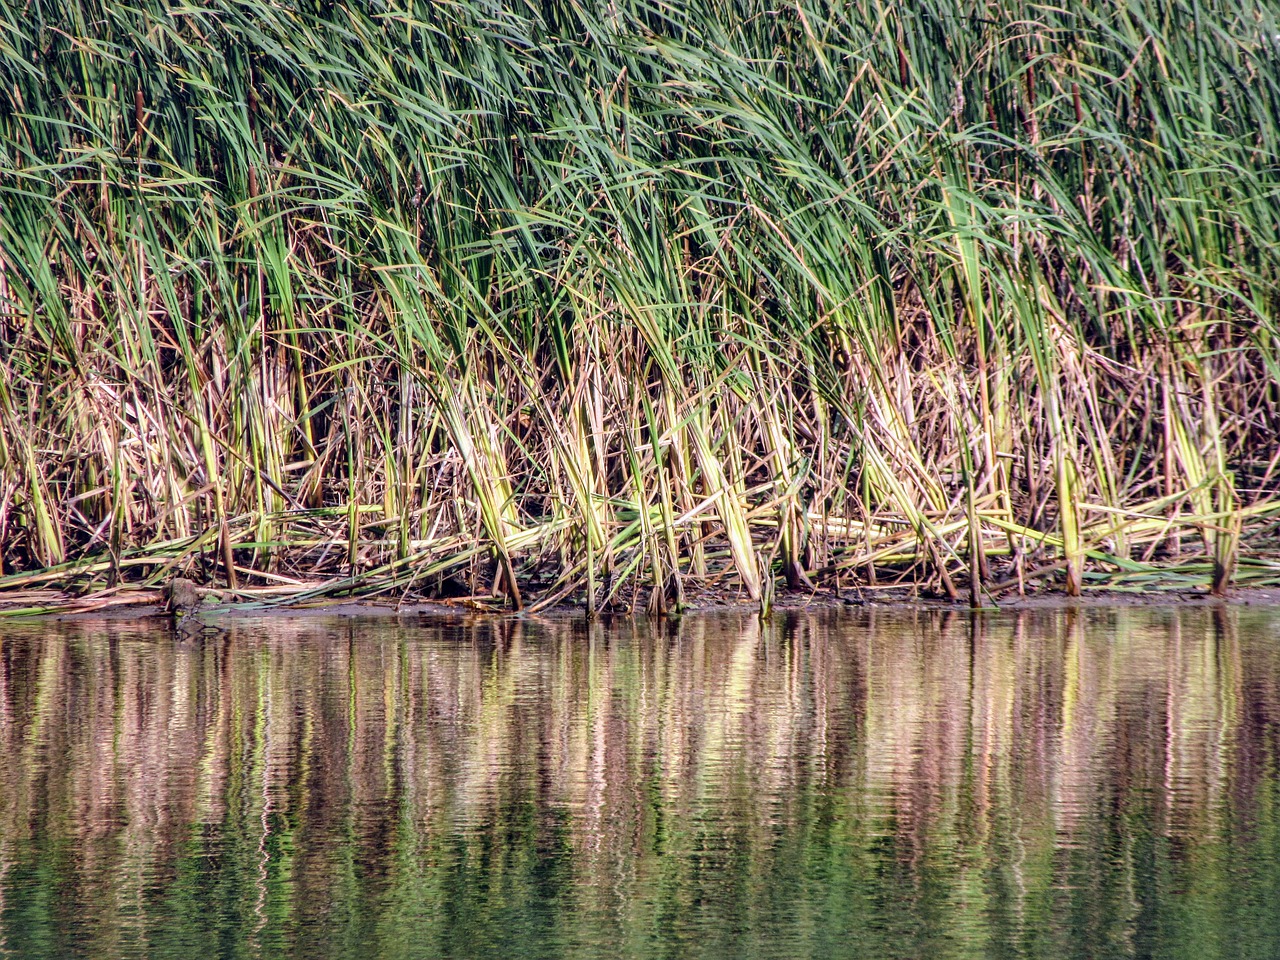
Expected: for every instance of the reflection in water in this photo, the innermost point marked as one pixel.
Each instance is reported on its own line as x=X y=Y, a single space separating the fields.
x=1097 y=782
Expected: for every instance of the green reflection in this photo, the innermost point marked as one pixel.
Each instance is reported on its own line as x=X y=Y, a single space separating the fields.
x=1059 y=783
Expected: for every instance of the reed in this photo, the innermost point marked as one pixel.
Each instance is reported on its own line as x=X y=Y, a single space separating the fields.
x=553 y=299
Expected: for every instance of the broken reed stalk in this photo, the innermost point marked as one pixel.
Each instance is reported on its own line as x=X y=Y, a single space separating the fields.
x=531 y=298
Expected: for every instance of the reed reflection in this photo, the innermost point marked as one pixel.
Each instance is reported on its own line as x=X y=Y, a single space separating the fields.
x=1051 y=783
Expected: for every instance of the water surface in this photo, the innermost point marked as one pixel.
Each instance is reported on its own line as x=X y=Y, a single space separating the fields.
x=1101 y=782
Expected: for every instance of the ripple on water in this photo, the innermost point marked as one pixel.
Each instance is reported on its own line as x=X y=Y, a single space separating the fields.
x=870 y=783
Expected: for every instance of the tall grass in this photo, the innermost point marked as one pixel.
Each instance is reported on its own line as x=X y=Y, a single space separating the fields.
x=620 y=297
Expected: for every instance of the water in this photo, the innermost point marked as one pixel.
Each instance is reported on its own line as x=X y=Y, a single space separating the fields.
x=1094 y=783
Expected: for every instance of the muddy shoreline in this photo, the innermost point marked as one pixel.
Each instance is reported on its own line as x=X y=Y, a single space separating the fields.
x=150 y=605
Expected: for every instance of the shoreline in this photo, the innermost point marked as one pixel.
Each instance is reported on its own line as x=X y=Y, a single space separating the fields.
x=148 y=605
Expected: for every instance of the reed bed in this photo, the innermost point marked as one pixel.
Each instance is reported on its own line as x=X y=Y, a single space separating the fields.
x=616 y=302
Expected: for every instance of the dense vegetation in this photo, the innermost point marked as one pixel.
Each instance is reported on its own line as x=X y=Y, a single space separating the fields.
x=568 y=297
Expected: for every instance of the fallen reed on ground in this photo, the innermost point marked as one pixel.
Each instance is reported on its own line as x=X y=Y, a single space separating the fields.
x=608 y=302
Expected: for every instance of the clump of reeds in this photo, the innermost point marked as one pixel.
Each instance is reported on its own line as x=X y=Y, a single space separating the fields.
x=606 y=298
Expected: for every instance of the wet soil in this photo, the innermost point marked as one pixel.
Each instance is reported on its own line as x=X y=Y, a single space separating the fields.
x=138 y=604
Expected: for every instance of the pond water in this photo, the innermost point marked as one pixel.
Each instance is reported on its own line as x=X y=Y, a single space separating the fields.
x=1099 y=782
